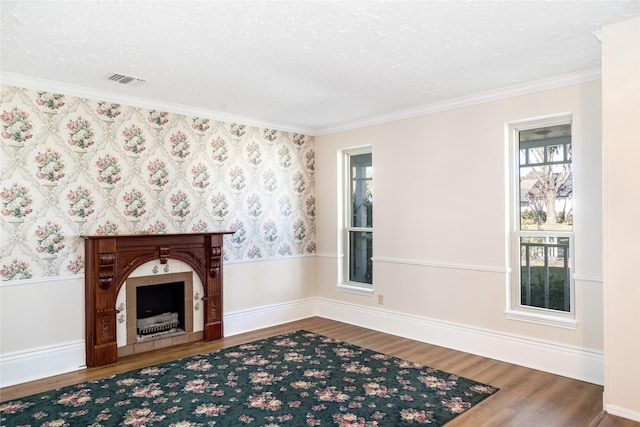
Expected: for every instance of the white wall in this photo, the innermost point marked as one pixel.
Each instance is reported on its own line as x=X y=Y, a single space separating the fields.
x=621 y=136
x=262 y=283
x=41 y=313
x=42 y=320
x=440 y=224
x=41 y=328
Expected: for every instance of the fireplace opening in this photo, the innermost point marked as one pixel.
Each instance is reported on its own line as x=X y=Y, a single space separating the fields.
x=149 y=306
x=160 y=310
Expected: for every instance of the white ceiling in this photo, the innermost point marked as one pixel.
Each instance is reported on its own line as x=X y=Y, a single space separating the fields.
x=312 y=65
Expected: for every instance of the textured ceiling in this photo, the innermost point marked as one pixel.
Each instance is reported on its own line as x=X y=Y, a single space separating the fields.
x=303 y=64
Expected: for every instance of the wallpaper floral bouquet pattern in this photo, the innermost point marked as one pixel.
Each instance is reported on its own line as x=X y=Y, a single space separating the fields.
x=73 y=166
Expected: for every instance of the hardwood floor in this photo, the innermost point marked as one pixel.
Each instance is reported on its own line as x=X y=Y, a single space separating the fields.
x=526 y=398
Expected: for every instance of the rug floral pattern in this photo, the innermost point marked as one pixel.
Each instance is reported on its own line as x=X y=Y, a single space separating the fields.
x=296 y=379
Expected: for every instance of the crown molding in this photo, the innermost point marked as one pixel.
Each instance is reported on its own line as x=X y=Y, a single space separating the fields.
x=465 y=101
x=35 y=83
x=475 y=99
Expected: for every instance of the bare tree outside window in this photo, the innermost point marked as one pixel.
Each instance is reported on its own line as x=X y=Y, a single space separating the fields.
x=546 y=189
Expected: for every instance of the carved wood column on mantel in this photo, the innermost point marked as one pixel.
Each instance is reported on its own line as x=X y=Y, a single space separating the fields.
x=109 y=260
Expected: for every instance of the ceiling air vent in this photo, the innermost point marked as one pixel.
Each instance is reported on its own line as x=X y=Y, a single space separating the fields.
x=125 y=80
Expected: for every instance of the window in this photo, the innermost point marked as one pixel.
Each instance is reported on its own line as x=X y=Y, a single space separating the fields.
x=358 y=217
x=543 y=217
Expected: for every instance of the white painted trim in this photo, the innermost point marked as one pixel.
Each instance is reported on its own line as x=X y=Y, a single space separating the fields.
x=587 y=278
x=266 y=259
x=49 y=279
x=598 y=35
x=353 y=289
x=501 y=270
x=542 y=319
x=336 y=256
x=108 y=96
x=622 y=412
x=475 y=99
x=38 y=363
x=560 y=359
x=574 y=362
x=34 y=364
x=41 y=280
x=241 y=321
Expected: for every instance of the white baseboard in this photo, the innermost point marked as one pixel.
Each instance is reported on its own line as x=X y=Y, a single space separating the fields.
x=35 y=364
x=622 y=412
x=573 y=362
x=249 y=320
x=583 y=364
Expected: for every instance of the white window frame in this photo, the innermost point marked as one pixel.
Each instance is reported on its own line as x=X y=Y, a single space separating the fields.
x=346 y=212
x=515 y=309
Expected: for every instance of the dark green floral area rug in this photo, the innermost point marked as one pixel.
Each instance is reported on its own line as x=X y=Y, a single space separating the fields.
x=297 y=379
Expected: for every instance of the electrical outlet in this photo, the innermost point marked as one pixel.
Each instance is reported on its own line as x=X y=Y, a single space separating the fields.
x=380 y=299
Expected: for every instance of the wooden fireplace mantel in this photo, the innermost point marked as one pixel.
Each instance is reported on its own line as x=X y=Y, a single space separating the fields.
x=109 y=260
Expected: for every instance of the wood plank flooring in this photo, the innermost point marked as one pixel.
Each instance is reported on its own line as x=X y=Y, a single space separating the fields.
x=527 y=398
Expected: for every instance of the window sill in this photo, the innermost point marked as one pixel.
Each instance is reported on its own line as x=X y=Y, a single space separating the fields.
x=353 y=289
x=542 y=319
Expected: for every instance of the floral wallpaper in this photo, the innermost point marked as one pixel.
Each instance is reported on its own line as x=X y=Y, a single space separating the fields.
x=73 y=166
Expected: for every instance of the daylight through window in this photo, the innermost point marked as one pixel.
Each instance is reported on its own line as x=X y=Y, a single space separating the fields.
x=359 y=217
x=544 y=216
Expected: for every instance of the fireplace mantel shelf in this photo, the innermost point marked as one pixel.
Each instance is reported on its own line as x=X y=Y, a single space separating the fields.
x=111 y=259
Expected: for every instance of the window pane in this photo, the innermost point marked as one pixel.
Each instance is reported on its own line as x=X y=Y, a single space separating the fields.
x=544 y=273
x=536 y=155
x=360 y=219
x=555 y=153
x=523 y=156
x=546 y=198
x=546 y=189
x=361 y=190
x=545 y=133
x=360 y=253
